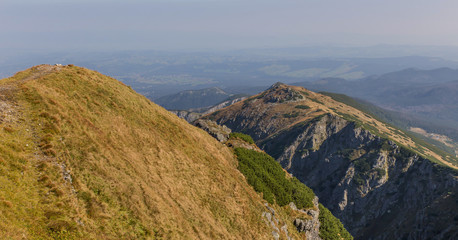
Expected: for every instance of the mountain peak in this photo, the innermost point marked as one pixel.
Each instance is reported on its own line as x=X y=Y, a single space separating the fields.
x=277 y=85
x=280 y=92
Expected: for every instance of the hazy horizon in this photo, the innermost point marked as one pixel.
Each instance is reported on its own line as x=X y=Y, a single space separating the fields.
x=104 y=25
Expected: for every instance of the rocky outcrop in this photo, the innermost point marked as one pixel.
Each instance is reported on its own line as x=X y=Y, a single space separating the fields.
x=273 y=222
x=238 y=143
x=219 y=132
x=189 y=116
x=310 y=226
x=280 y=93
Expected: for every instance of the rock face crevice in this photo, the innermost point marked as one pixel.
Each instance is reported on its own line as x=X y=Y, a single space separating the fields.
x=378 y=189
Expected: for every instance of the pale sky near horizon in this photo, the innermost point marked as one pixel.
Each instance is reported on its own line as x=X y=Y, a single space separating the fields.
x=224 y=24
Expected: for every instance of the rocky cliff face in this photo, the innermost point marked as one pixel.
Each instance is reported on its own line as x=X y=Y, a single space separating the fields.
x=219 y=132
x=187 y=115
x=377 y=187
x=310 y=226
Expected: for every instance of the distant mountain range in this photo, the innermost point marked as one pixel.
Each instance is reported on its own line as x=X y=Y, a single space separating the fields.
x=156 y=74
x=193 y=99
x=429 y=94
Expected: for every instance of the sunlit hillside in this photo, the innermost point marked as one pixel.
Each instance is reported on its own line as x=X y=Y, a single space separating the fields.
x=84 y=156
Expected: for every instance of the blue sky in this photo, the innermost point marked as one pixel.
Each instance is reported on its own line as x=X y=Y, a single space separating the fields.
x=224 y=24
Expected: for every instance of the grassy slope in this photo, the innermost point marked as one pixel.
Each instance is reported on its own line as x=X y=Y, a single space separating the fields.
x=398 y=121
x=137 y=171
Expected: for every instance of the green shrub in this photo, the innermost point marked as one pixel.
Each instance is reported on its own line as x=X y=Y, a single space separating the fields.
x=386 y=146
x=267 y=176
x=244 y=137
x=291 y=115
x=358 y=179
x=302 y=107
x=330 y=227
x=301 y=194
x=380 y=172
x=362 y=165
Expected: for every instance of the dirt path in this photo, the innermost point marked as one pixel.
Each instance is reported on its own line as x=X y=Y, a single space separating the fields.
x=9 y=109
x=12 y=113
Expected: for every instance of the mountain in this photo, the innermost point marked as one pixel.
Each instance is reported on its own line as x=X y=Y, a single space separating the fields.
x=428 y=94
x=380 y=182
x=193 y=99
x=83 y=156
x=159 y=73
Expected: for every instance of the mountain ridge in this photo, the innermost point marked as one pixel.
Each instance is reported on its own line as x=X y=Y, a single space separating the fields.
x=71 y=168
x=285 y=98
x=375 y=178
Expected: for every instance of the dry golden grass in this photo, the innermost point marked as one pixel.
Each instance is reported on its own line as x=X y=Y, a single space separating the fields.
x=137 y=171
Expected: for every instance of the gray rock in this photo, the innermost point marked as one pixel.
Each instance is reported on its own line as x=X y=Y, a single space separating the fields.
x=275 y=235
x=217 y=131
x=311 y=226
x=189 y=116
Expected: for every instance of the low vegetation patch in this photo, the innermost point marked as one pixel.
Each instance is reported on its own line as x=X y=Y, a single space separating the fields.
x=302 y=107
x=244 y=137
x=331 y=228
x=291 y=115
x=386 y=146
x=268 y=177
x=317 y=101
